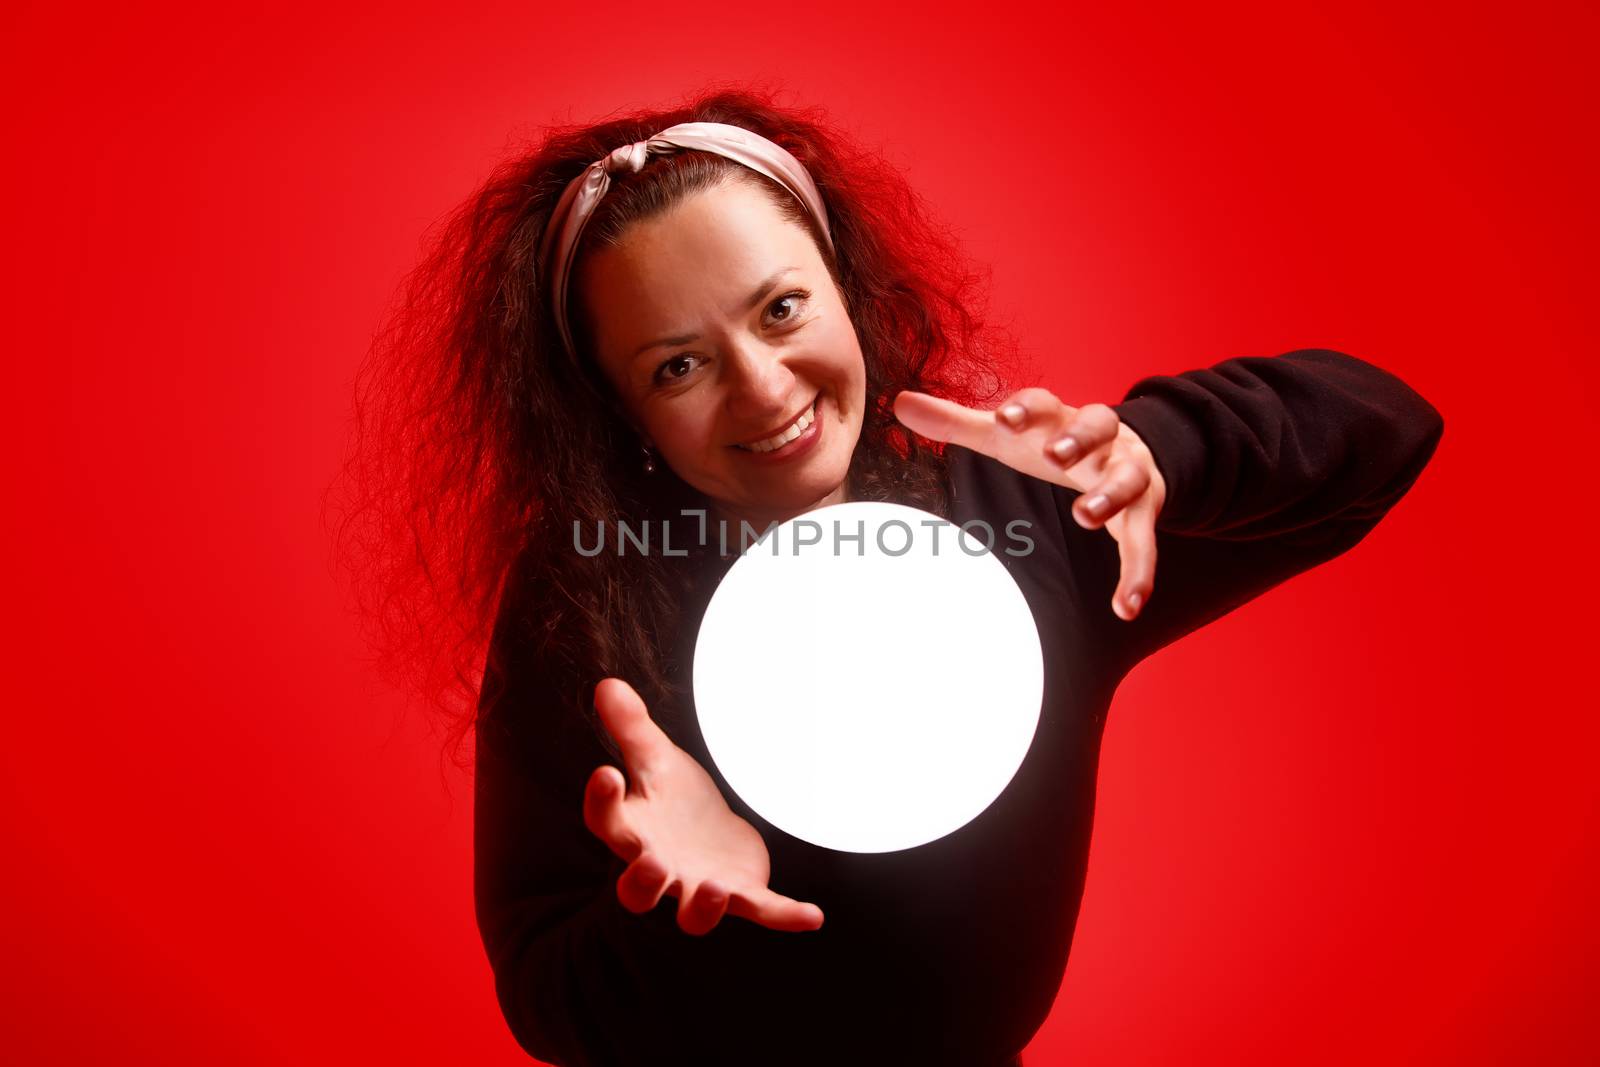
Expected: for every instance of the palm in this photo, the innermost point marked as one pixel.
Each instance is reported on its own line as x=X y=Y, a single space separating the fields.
x=681 y=816
x=675 y=829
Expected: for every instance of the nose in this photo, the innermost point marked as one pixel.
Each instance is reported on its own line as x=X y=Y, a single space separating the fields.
x=760 y=386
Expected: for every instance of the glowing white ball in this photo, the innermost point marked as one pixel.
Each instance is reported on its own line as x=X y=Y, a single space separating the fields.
x=868 y=694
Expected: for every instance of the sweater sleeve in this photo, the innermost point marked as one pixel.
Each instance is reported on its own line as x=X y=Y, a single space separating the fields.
x=573 y=970
x=1273 y=465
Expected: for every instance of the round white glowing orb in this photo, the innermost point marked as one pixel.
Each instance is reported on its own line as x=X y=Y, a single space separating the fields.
x=868 y=676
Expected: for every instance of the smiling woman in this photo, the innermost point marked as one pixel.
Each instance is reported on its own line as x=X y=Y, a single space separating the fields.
x=725 y=310
x=757 y=399
x=486 y=437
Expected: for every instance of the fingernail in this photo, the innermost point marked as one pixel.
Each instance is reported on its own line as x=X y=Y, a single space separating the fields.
x=1064 y=449
x=1134 y=600
x=1096 y=504
x=1012 y=415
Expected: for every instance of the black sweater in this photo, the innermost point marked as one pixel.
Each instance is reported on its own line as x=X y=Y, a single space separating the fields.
x=951 y=952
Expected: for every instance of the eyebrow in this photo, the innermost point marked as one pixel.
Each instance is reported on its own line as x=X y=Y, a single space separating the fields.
x=750 y=305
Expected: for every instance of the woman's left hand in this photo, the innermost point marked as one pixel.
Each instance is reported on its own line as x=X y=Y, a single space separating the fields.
x=1088 y=449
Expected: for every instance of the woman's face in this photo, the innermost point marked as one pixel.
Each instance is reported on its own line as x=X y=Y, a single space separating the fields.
x=721 y=330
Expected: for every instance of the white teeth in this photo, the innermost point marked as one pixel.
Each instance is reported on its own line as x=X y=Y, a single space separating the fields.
x=778 y=440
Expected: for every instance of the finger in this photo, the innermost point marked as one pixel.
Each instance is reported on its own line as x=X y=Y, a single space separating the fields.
x=775 y=911
x=939 y=419
x=1136 y=544
x=983 y=431
x=1031 y=407
x=640 y=887
x=603 y=812
x=1124 y=482
x=626 y=719
x=1093 y=426
x=704 y=908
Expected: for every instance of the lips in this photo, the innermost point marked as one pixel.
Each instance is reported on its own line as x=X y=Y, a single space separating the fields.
x=799 y=415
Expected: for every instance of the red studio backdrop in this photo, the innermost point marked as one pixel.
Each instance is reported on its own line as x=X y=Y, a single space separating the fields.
x=1354 y=821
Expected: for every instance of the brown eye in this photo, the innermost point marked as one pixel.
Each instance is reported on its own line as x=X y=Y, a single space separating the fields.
x=787 y=307
x=675 y=369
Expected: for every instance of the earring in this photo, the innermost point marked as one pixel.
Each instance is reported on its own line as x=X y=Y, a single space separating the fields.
x=649 y=460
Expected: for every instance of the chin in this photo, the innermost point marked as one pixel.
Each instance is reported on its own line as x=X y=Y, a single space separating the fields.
x=794 y=496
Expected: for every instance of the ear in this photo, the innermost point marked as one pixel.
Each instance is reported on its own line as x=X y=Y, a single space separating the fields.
x=638 y=431
x=634 y=427
x=620 y=411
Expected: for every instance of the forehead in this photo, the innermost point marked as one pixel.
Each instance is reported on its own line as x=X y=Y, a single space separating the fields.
x=699 y=258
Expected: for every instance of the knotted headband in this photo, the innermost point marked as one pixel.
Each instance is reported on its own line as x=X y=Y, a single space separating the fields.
x=584 y=193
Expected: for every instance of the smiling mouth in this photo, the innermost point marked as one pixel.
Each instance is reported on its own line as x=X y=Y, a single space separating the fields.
x=798 y=426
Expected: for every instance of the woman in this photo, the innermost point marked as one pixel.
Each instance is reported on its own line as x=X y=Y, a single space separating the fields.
x=723 y=312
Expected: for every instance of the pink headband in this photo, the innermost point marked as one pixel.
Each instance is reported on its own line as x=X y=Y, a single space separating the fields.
x=584 y=192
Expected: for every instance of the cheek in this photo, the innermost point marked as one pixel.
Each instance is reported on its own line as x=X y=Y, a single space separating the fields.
x=844 y=349
x=684 y=427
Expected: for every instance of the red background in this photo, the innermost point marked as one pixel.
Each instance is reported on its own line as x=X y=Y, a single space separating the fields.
x=1355 y=820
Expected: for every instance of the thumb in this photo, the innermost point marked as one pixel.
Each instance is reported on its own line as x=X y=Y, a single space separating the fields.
x=939 y=419
x=628 y=721
x=776 y=911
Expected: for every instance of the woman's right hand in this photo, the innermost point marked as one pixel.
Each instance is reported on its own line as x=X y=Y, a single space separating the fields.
x=676 y=831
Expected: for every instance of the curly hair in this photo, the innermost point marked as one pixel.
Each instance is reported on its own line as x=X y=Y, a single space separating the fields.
x=478 y=443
